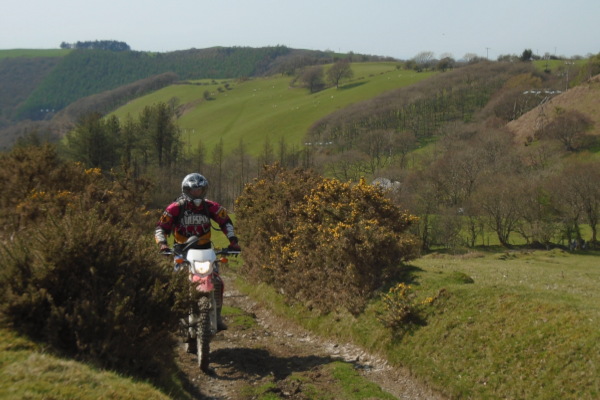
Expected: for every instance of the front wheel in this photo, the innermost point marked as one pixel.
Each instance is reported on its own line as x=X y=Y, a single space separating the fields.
x=204 y=333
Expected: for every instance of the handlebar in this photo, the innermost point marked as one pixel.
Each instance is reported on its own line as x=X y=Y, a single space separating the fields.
x=227 y=252
x=220 y=252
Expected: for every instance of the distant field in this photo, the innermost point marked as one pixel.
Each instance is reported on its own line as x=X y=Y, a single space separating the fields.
x=270 y=108
x=33 y=53
x=557 y=65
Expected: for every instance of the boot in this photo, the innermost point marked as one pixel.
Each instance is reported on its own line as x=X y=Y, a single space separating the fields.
x=191 y=346
x=219 y=289
x=221 y=326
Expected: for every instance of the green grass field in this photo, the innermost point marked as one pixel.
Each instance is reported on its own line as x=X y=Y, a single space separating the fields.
x=556 y=65
x=260 y=108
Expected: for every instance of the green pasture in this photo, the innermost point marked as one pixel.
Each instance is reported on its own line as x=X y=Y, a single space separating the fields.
x=270 y=108
x=506 y=324
x=12 y=53
x=558 y=65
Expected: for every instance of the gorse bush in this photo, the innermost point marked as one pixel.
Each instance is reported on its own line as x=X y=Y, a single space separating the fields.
x=401 y=309
x=265 y=215
x=37 y=184
x=78 y=268
x=91 y=293
x=326 y=244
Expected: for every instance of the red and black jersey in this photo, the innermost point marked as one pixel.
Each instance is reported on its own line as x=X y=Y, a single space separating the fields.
x=184 y=219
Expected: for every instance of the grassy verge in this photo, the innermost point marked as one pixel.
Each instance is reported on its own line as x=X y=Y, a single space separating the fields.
x=494 y=325
x=26 y=372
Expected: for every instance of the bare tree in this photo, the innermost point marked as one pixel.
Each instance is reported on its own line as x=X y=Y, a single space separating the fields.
x=312 y=78
x=341 y=69
x=218 y=159
x=424 y=60
x=499 y=201
x=579 y=196
x=403 y=143
x=568 y=127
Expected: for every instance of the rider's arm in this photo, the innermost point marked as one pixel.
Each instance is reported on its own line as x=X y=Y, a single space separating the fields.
x=219 y=214
x=165 y=225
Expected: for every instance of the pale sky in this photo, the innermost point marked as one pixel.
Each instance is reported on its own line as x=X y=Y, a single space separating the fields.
x=396 y=28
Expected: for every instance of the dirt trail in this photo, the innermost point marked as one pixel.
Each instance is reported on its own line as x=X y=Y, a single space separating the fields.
x=273 y=349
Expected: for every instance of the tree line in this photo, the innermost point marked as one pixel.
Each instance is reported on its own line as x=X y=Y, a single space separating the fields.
x=110 y=45
x=151 y=144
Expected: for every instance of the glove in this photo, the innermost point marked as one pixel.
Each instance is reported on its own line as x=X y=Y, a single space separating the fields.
x=164 y=247
x=233 y=244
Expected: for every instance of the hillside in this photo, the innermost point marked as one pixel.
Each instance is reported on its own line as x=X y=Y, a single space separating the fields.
x=19 y=77
x=584 y=98
x=267 y=108
x=37 y=84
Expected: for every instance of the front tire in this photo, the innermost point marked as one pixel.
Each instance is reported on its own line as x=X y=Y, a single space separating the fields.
x=204 y=334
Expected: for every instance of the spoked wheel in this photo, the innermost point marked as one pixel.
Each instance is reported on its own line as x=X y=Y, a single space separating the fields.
x=204 y=335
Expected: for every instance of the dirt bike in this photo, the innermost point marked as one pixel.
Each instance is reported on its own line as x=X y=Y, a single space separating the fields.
x=203 y=267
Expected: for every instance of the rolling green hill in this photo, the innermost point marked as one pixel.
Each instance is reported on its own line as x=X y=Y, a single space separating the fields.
x=255 y=109
x=38 y=84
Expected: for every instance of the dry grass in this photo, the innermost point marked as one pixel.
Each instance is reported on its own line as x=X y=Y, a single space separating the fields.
x=584 y=98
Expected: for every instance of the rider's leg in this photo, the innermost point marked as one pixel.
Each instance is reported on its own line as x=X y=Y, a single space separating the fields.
x=219 y=290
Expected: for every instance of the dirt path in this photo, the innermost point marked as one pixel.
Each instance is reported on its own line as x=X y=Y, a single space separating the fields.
x=272 y=350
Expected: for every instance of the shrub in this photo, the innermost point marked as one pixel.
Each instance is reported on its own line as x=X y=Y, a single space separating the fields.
x=401 y=308
x=264 y=215
x=322 y=242
x=403 y=313
x=90 y=290
x=37 y=184
x=78 y=271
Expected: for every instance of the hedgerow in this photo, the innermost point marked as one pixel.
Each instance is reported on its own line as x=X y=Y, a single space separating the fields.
x=322 y=242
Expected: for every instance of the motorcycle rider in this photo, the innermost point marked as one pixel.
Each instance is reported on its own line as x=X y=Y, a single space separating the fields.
x=190 y=215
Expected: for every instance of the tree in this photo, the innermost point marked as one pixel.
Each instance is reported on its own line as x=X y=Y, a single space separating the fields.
x=341 y=69
x=130 y=137
x=499 y=199
x=218 y=160
x=445 y=63
x=568 y=127
x=579 y=188
x=538 y=223
x=312 y=78
x=94 y=141
x=424 y=60
x=526 y=55
x=158 y=123
x=403 y=143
